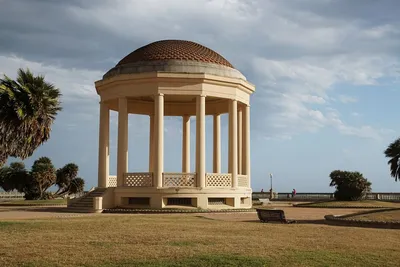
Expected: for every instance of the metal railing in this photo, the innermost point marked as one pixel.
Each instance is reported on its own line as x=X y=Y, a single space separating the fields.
x=324 y=196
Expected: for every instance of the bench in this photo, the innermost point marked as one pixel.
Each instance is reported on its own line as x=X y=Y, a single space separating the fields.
x=272 y=215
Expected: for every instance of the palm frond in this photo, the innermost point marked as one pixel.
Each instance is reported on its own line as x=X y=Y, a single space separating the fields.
x=28 y=107
x=393 y=152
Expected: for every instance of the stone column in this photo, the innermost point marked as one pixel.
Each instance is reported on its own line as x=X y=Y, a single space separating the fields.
x=239 y=140
x=104 y=145
x=159 y=132
x=151 y=144
x=122 y=157
x=233 y=161
x=201 y=140
x=217 y=144
x=186 y=143
x=246 y=142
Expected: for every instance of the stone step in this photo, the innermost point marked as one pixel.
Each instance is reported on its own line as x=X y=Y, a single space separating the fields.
x=96 y=194
x=86 y=199
x=79 y=210
x=99 y=190
x=85 y=203
x=81 y=206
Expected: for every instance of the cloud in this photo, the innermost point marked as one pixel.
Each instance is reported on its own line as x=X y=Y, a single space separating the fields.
x=296 y=52
x=364 y=131
x=75 y=84
x=289 y=90
x=347 y=99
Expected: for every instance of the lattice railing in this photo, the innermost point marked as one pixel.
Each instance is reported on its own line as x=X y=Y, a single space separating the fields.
x=12 y=194
x=218 y=179
x=112 y=181
x=138 y=179
x=243 y=181
x=179 y=179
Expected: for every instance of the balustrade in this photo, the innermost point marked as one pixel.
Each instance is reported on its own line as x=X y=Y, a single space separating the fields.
x=138 y=179
x=112 y=181
x=218 y=180
x=243 y=181
x=179 y=179
x=145 y=179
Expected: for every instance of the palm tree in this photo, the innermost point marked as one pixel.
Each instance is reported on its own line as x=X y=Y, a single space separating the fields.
x=28 y=107
x=393 y=152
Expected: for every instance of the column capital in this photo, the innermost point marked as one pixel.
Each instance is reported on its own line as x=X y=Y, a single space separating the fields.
x=159 y=94
x=202 y=95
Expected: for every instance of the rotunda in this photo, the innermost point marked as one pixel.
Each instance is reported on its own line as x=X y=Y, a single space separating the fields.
x=183 y=79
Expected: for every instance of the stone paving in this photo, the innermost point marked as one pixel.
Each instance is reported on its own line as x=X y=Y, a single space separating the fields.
x=18 y=213
x=302 y=215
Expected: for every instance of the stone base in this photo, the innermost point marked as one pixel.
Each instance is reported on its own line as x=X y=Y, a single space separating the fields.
x=182 y=197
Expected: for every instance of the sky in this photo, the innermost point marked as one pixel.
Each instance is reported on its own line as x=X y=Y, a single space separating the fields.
x=327 y=75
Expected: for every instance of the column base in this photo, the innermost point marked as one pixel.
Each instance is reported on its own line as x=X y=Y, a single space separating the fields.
x=183 y=198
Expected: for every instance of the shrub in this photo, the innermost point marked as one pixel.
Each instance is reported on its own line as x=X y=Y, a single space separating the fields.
x=350 y=186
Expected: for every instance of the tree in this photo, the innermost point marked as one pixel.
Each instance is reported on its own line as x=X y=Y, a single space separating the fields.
x=35 y=183
x=349 y=185
x=393 y=152
x=67 y=180
x=14 y=177
x=43 y=174
x=28 y=107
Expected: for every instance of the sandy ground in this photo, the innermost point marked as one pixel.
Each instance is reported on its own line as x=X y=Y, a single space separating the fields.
x=302 y=215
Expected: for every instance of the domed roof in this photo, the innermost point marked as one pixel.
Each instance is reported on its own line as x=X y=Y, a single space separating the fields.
x=174 y=56
x=175 y=50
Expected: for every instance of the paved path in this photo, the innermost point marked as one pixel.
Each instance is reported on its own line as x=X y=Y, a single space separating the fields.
x=302 y=215
x=18 y=213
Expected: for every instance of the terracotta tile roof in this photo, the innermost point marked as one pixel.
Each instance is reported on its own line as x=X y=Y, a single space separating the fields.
x=175 y=50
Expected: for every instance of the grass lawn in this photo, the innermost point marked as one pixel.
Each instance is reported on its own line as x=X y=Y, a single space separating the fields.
x=390 y=216
x=190 y=240
x=362 y=203
x=35 y=202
